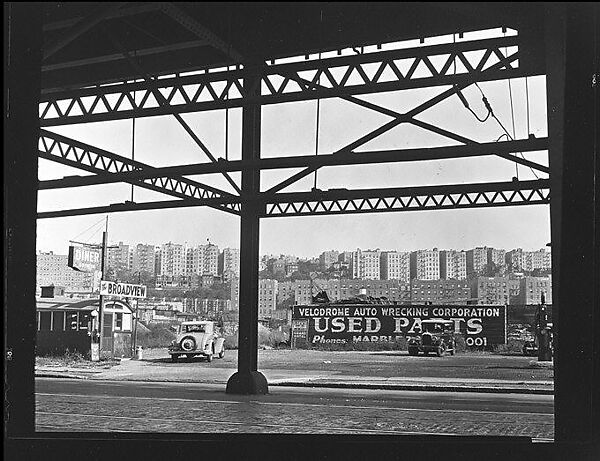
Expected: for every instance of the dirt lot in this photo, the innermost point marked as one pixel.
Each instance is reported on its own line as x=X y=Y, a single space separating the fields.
x=381 y=364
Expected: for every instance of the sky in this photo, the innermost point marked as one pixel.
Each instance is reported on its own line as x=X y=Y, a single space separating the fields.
x=288 y=130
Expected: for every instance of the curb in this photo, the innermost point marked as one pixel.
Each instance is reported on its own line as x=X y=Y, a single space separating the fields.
x=60 y=375
x=346 y=385
x=409 y=387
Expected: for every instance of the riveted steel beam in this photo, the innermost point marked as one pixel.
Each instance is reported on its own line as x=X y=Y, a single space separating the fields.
x=76 y=154
x=347 y=75
x=342 y=201
x=341 y=159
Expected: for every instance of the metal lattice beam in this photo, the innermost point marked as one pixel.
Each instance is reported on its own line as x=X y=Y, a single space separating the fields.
x=76 y=154
x=361 y=200
x=362 y=158
x=340 y=76
x=408 y=199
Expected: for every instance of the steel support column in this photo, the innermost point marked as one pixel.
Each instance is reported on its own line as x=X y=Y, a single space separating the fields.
x=572 y=43
x=247 y=380
x=22 y=57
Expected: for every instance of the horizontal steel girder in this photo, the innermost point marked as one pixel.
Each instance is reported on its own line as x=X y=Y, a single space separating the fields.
x=407 y=199
x=339 y=201
x=76 y=154
x=339 y=159
x=340 y=76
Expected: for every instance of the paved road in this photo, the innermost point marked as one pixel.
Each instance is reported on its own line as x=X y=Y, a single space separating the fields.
x=97 y=406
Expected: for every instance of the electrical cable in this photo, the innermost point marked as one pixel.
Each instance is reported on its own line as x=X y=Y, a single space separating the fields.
x=318 y=121
x=493 y=115
x=93 y=225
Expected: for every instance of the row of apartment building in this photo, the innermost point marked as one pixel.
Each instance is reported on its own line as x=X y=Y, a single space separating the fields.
x=173 y=259
x=276 y=296
x=434 y=264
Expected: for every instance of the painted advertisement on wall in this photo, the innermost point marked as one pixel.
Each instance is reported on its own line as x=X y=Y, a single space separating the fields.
x=481 y=326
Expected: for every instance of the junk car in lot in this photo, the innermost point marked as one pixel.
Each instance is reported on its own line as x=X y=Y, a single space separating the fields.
x=436 y=335
x=197 y=338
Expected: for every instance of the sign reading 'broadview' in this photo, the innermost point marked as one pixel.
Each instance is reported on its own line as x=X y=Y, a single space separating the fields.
x=124 y=290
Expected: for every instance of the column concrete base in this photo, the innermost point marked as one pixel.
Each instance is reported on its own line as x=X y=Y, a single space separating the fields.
x=247 y=383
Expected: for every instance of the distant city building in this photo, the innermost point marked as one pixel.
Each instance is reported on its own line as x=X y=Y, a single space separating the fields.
x=285 y=292
x=235 y=293
x=278 y=267
x=340 y=289
x=425 y=264
x=229 y=263
x=477 y=260
x=365 y=264
x=541 y=259
x=290 y=268
x=207 y=306
x=172 y=259
x=496 y=256
x=395 y=265
x=144 y=259
x=267 y=298
x=494 y=290
x=531 y=289
x=210 y=259
x=53 y=269
x=119 y=257
x=327 y=258
x=453 y=265
x=518 y=260
x=440 y=291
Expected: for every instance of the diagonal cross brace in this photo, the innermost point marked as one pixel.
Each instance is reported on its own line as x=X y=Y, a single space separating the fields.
x=402 y=118
x=163 y=102
x=59 y=148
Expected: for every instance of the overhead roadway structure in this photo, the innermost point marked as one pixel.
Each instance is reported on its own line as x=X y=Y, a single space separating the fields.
x=96 y=62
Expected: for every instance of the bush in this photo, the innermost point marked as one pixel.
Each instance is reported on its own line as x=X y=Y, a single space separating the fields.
x=156 y=336
x=231 y=341
x=512 y=347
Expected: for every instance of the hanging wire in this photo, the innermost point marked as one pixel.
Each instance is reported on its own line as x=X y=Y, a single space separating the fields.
x=493 y=115
x=133 y=141
x=93 y=225
x=318 y=100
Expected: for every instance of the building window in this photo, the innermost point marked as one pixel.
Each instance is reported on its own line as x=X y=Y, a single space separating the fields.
x=71 y=321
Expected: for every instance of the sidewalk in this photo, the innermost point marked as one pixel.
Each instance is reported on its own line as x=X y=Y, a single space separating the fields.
x=133 y=370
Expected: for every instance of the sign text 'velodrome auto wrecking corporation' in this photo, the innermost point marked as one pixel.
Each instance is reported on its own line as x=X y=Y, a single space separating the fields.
x=124 y=290
x=351 y=323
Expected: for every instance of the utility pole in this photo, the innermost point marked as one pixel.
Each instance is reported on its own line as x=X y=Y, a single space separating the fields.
x=102 y=270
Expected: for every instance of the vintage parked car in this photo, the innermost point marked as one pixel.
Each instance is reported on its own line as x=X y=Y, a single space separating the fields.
x=197 y=338
x=436 y=335
x=531 y=347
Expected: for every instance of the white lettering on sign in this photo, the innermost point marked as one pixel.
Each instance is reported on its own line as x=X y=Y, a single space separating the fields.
x=124 y=290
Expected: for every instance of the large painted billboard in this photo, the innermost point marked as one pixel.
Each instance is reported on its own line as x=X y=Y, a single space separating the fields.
x=481 y=326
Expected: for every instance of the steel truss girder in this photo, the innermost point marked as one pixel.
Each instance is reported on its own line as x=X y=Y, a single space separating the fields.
x=339 y=76
x=76 y=154
x=316 y=161
x=408 y=199
x=361 y=200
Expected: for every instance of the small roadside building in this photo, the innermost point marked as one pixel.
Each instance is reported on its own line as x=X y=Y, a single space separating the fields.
x=68 y=323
